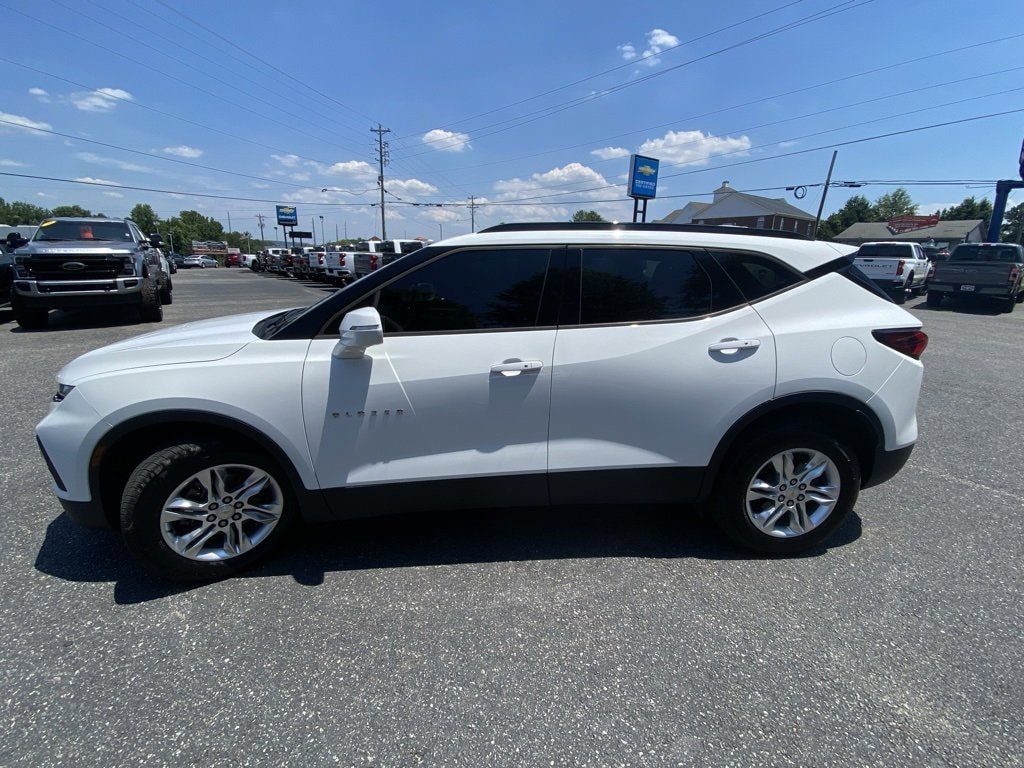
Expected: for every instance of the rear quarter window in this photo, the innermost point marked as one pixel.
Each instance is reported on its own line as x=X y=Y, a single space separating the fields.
x=757 y=275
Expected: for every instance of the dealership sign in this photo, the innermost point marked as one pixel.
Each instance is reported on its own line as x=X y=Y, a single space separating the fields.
x=643 y=177
x=287 y=216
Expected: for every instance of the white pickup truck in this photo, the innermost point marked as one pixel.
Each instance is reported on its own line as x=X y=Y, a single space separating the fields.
x=898 y=268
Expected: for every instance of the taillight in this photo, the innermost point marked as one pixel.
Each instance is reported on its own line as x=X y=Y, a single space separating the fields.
x=320 y=259
x=931 y=271
x=373 y=261
x=342 y=262
x=910 y=342
x=1014 y=273
x=899 y=267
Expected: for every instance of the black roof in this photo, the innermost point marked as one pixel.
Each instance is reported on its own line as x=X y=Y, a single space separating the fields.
x=646 y=227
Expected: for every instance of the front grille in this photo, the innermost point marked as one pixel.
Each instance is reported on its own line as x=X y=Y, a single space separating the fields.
x=93 y=268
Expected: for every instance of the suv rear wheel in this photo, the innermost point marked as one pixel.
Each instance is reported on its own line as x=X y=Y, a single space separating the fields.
x=196 y=512
x=787 y=491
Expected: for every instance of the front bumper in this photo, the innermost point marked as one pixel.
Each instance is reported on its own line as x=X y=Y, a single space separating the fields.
x=83 y=293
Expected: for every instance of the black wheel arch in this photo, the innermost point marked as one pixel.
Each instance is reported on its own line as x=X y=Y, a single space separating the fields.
x=121 y=449
x=845 y=416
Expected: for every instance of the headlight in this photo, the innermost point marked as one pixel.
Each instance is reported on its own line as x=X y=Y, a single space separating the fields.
x=127 y=267
x=63 y=390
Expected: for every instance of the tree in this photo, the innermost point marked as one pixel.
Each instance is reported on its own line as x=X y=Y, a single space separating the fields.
x=1013 y=225
x=857 y=209
x=144 y=215
x=17 y=212
x=70 y=210
x=969 y=209
x=582 y=215
x=894 y=204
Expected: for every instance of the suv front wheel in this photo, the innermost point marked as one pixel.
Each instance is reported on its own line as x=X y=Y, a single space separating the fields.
x=787 y=491
x=196 y=512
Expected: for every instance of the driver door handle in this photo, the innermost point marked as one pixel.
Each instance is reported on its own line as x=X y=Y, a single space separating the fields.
x=735 y=344
x=515 y=367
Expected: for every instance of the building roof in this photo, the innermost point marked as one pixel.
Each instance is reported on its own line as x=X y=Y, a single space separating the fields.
x=770 y=205
x=878 y=230
x=688 y=211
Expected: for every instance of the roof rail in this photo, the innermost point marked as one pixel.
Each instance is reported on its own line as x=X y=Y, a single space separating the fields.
x=636 y=227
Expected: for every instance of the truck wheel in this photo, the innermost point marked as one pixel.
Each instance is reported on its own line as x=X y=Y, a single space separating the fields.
x=150 y=308
x=197 y=512
x=934 y=299
x=786 y=491
x=900 y=297
x=166 y=293
x=1010 y=304
x=29 y=318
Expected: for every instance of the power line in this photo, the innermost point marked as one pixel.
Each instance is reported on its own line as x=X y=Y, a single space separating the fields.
x=555 y=109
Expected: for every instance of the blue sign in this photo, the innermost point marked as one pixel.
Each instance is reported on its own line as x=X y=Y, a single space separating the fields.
x=287 y=216
x=643 y=177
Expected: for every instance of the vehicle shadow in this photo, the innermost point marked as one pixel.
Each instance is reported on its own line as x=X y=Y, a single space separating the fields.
x=77 y=554
x=78 y=319
x=977 y=306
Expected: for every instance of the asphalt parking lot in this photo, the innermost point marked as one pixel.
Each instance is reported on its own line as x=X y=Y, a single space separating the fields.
x=578 y=637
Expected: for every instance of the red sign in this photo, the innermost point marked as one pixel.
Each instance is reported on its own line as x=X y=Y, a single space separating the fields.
x=910 y=223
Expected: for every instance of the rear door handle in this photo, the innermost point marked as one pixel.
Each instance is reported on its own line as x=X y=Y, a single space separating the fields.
x=515 y=367
x=732 y=344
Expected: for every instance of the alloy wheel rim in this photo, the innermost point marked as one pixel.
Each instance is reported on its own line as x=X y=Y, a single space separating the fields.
x=793 y=493
x=221 y=512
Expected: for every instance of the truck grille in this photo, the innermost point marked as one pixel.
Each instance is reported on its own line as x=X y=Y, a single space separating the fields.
x=93 y=268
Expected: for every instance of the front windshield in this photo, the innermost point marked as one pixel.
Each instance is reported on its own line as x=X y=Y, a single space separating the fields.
x=102 y=231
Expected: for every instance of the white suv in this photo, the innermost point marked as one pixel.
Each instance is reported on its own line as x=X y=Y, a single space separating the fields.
x=761 y=376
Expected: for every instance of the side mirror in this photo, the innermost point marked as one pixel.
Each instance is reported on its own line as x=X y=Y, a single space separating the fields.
x=155 y=241
x=360 y=328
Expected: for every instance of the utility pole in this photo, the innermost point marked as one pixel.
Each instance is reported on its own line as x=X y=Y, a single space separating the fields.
x=824 y=191
x=259 y=218
x=472 y=213
x=229 y=221
x=312 y=223
x=383 y=159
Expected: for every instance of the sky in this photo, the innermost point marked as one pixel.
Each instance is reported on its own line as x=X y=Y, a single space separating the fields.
x=500 y=112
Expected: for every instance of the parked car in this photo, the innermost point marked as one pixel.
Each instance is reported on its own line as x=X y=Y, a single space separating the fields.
x=233 y=260
x=199 y=261
x=898 y=268
x=6 y=276
x=527 y=364
x=74 y=262
x=176 y=260
x=990 y=270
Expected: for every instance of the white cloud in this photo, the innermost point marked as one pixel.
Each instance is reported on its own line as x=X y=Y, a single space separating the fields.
x=24 y=122
x=182 y=150
x=112 y=194
x=567 y=175
x=351 y=168
x=409 y=187
x=610 y=153
x=446 y=141
x=94 y=180
x=42 y=194
x=91 y=157
x=260 y=185
x=100 y=100
x=787 y=144
x=288 y=161
x=658 y=40
x=692 y=147
x=303 y=176
x=40 y=94
x=12 y=164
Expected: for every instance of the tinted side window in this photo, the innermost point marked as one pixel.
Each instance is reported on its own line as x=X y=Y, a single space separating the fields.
x=756 y=275
x=622 y=285
x=467 y=291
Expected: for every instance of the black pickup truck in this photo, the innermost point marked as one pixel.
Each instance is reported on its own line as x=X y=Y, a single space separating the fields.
x=992 y=270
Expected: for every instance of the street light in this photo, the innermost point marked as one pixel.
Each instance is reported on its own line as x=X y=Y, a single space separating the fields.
x=440 y=231
x=323 y=237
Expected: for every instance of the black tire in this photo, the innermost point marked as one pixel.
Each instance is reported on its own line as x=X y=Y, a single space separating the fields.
x=167 y=293
x=175 y=470
x=29 y=318
x=150 y=308
x=750 y=463
x=1009 y=304
x=934 y=299
x=900 y=297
